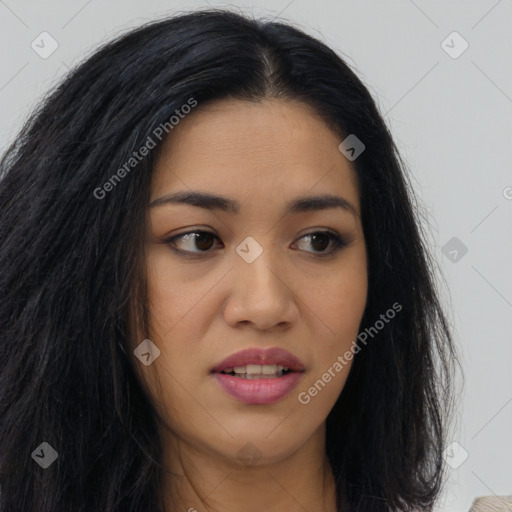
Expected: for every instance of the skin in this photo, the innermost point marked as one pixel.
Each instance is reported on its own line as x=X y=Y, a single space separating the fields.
x=262 y=154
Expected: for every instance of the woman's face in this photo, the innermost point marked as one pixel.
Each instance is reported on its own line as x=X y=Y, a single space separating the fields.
x=256 y=279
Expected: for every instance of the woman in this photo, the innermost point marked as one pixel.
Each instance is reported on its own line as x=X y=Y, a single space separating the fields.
x=215 y=290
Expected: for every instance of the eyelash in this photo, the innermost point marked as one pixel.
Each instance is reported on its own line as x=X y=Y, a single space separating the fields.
x=338 y=242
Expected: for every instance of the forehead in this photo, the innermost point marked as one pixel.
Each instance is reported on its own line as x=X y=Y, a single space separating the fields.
x=251 y=147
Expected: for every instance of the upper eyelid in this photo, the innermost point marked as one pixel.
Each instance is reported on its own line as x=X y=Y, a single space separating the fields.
x=337 y=239
x=201 y=230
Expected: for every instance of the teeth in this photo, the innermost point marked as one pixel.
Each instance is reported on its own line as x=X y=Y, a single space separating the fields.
x=259 y=376
x=254 y=371
x=270 y=369
x=257 y=369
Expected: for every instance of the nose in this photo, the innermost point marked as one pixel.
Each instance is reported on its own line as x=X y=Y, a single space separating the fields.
x=261 y=294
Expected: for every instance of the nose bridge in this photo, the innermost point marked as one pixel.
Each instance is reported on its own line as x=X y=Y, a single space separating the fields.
x=258 y=268
x=259 y=291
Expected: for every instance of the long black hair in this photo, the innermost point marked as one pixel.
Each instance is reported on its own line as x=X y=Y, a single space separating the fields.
x=72 y=273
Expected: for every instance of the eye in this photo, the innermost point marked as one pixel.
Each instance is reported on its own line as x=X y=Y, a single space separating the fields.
x=320 y=240
x=203 y=240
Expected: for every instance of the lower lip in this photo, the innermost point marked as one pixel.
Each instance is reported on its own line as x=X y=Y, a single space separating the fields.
x=258 y=391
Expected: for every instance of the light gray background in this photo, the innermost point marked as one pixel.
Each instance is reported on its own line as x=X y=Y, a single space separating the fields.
x=451 y=118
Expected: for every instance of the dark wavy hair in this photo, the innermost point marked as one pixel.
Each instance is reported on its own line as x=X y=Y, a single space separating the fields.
x=72 y=274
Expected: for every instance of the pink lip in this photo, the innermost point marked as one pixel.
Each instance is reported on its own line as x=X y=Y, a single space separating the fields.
x=259 y=356
x=259 y=391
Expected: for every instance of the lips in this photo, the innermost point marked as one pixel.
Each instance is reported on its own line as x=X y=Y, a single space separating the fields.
x=243 y=382
x=257 y=356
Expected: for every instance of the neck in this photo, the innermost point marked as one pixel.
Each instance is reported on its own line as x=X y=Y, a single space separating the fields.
x=208 y=481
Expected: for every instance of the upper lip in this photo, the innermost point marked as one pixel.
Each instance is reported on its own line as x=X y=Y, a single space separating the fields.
x=275 y=355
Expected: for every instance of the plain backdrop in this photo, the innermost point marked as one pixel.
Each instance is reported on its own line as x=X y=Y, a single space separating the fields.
x=450 y=110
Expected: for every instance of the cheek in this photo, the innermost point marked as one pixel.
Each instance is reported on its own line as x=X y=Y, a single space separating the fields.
x=339 y=301
x=341 y=305
x=339 y=298
x=348 y=303
x=171 y=305
x=173 y=291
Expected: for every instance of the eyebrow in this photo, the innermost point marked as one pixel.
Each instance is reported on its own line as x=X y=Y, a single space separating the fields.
x=209 y=201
